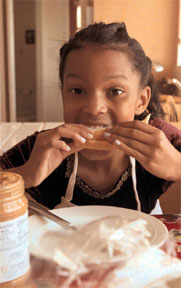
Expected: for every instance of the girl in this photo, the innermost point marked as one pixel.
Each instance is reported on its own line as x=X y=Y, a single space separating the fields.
x=106 y=81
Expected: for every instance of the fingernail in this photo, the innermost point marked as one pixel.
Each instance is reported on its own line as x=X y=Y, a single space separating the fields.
x=83 y=140
x=68 y=148
x=90 y=136
x=89 y=128
x=117 y=142
x=107 y=134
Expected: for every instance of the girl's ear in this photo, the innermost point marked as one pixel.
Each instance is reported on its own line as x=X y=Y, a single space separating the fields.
x=143 y=100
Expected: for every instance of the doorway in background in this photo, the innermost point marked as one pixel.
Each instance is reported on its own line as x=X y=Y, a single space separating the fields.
x=25 y=59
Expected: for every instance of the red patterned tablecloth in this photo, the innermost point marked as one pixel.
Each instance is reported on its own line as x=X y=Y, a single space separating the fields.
x=173 y=224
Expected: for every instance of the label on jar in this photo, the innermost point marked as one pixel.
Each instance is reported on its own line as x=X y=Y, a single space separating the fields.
x=14 y=248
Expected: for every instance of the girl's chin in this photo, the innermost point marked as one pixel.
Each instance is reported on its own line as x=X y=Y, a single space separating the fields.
x=96 y=154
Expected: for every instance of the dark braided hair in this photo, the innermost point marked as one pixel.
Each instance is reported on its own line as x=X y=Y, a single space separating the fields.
x=115 y=36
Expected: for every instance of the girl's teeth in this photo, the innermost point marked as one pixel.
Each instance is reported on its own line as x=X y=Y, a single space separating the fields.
x=96 y=127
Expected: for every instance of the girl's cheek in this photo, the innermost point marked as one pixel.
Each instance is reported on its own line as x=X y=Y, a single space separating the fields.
x=124 y=113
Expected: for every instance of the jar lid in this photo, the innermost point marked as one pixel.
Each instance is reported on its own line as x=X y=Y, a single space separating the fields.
x=11 y=183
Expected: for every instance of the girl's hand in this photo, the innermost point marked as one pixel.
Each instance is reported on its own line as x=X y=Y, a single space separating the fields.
x=149 y=146
x=50 y=150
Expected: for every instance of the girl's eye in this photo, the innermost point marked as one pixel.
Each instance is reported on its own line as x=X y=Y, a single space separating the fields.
x=76 y=91
x=116 y=92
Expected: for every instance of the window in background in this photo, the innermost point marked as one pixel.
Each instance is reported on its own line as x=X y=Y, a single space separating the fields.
x=78 y=18
x=81 y=14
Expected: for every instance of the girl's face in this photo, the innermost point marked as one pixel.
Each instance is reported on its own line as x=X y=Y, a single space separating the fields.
x=100 y=87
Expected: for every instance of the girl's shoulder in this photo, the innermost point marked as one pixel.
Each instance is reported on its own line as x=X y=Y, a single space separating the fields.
x=171 y=132
x=19 y=153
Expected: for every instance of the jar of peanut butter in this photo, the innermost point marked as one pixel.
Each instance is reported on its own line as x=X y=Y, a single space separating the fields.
x=14 y=244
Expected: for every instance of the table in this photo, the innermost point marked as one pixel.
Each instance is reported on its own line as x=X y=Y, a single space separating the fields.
x=173 y=224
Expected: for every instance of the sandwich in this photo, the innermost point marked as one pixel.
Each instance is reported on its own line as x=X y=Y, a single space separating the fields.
x=98 y=142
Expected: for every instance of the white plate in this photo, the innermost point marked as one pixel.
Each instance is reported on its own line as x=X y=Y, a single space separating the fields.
x=80 y=215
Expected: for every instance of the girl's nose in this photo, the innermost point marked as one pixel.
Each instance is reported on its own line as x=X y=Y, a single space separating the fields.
x=95 y=105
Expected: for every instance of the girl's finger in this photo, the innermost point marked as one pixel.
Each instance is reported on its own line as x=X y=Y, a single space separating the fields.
x=63 y=147
x=136 y=125
x=130 y=134
x=79 y=133
x=143 y=148
x=140 y=157
x=59 y=144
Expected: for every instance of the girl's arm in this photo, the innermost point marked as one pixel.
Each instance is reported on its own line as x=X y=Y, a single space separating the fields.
x=49 y=150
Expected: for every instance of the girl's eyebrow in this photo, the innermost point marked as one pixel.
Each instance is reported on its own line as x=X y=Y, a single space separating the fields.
x=116 y=76
x=71 y=75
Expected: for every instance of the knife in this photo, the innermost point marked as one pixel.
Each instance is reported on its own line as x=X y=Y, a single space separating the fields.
x=43 y=211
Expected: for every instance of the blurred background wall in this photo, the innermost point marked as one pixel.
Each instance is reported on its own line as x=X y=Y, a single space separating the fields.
x=154 y=23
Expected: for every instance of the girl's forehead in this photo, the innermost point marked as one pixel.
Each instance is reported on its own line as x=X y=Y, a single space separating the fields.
x=93 y=54
x=95 y=58
x=95 y=49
